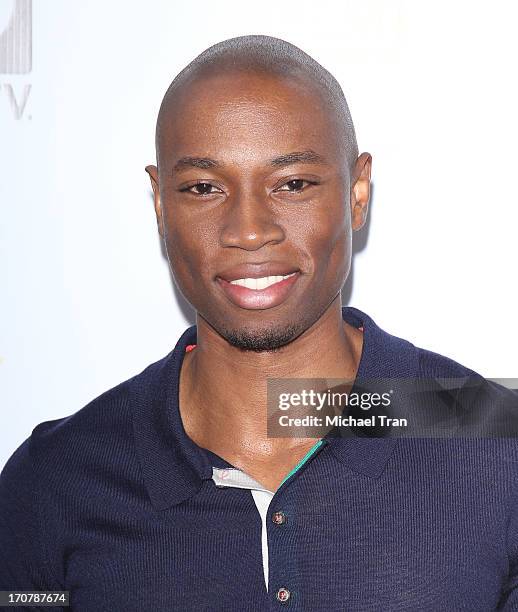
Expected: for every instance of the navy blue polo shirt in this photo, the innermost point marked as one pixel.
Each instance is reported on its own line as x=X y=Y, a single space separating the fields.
x=117 y=505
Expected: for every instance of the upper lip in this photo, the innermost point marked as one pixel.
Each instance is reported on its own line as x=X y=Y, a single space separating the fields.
x=259 y=270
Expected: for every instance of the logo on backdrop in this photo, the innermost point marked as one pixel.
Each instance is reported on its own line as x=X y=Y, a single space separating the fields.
x=15 y=36
x=16 y=52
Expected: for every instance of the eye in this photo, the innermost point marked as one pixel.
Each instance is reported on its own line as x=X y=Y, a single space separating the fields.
x=201 y=189
x=295 y=185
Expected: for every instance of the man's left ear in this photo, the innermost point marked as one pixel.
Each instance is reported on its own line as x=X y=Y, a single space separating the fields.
x=360 y=190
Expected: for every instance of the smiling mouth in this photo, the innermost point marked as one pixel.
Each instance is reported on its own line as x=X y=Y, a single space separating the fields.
x=259 y=293
x=257 y=284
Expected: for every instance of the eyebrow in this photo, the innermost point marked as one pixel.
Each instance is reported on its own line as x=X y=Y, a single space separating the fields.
x=296 y=157
x=195 y=162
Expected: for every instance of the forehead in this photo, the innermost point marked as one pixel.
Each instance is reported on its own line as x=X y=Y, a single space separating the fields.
x=246 y=117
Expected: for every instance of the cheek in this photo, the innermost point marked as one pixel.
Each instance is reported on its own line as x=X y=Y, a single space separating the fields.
x=333 y=258
x=190 y=247
x=326 y=237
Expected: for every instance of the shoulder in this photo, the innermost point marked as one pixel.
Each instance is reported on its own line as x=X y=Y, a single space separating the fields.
x=435 y=364
x=64 y=466
x=471 y=385
x=60 y=445
x=482 y=417
x=108 y=412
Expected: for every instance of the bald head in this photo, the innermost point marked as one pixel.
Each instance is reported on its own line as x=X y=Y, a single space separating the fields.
x=258 y=164
x=257 y=54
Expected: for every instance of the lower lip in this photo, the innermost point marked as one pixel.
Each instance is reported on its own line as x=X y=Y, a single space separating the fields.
x=257 y=299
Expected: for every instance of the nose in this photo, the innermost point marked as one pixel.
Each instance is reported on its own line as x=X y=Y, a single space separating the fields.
x=250 y=223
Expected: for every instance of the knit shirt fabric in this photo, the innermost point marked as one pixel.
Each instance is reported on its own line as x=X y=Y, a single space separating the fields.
x=116 y=504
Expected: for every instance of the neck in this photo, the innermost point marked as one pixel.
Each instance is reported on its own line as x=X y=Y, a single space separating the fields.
x=223 y=390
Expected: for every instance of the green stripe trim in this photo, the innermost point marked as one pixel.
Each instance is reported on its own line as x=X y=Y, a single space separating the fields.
x=303 y=460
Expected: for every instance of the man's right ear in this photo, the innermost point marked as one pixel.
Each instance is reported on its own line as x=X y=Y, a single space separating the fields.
x=153 y=175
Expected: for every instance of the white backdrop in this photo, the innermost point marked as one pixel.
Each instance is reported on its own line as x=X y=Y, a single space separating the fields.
x=87 y=299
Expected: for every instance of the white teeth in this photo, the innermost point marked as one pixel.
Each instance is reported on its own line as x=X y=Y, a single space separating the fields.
x=262 y=283
x=259 y=283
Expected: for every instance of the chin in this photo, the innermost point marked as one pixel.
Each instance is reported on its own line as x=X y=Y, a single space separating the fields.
x=262 y=340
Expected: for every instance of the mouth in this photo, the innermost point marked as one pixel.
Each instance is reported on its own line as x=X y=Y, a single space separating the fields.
x=259 y=292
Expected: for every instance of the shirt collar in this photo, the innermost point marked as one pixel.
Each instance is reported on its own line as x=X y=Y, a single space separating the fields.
x=174 y=467
x=384 y=356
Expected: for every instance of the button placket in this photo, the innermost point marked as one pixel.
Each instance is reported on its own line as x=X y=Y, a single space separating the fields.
x=284 y=574
x=283 y=579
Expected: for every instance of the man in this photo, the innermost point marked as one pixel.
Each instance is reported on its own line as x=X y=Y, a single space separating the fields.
x=167 y=492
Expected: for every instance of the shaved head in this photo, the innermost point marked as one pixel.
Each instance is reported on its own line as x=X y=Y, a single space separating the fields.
x=256 y=54
x=258 y=166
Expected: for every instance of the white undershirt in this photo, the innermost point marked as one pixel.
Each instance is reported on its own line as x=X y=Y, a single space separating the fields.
x=230 y=477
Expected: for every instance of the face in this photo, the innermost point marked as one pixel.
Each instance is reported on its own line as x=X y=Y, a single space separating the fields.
x=255 y=204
